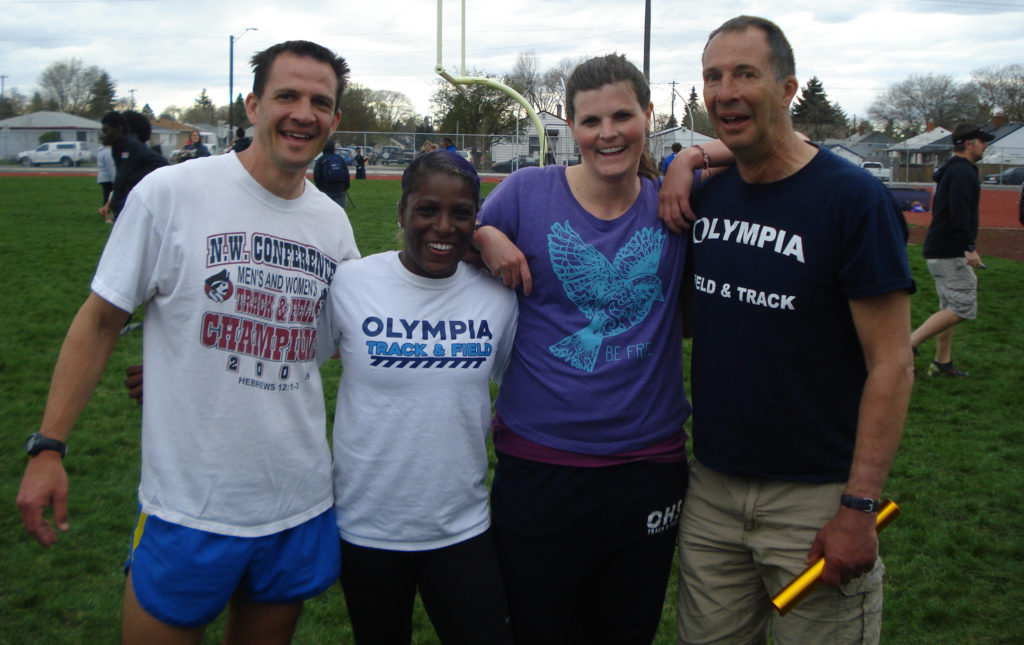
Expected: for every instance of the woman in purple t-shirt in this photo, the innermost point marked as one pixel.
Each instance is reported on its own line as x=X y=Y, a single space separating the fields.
x=589 y=427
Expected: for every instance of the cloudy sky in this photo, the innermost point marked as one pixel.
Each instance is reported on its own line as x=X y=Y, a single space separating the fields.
x=169 y=50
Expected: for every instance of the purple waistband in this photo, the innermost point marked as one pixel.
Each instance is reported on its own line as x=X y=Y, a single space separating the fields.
x=506 y=441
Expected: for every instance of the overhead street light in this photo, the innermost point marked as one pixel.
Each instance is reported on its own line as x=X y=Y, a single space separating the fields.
x=231 y=82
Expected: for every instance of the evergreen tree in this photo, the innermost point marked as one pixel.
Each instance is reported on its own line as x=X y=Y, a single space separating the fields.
x=239 y=117
x=12 y=104
x=102 y=96
x=694 y=109
x=148 y=112
x=39 y=104
x=202 y=111
x=815 y=116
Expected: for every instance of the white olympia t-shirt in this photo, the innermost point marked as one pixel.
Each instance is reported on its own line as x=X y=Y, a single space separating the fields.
x=414 y=401
x=233 y=422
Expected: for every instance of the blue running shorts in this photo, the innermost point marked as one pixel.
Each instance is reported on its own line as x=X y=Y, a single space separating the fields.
x=185 y=577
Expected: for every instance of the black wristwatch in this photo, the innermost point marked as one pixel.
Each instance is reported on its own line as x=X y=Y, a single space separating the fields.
x=865 y=504
x=37 y=443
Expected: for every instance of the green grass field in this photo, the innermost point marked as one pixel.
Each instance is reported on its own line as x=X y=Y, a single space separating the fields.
x=955 y=557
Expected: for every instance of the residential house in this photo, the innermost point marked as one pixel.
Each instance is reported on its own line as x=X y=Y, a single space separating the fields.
x=845 y=153
x=868 y=145
x=1007 y=149
x=920 y=152
x=22 y=132
x=660 y=143
x=526 y=143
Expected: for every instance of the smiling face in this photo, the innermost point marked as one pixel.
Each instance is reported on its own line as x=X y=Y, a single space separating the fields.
x=295 y=114
x=748 y=105
x=194 y=137
x=439 y=218
x=610 y=126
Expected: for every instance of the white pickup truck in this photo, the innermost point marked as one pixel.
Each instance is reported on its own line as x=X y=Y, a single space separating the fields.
x=876 y=170
x=65 y=153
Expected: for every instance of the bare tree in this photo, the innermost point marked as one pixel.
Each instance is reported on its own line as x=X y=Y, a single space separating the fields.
x=556 y=78
x=69 y=84
x=526 y=79
x=907 y=107
x=543 y=91
x=1001 y=89
x=172 y=112
x=391 y=108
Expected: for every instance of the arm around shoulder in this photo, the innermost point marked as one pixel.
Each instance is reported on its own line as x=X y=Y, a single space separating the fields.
x=503 y=258
x=674 y=197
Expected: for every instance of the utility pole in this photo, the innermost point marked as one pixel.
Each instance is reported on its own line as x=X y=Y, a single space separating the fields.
x=647 y=40
x=132 y=92
x=231 y=82
x=673 y=100
x=3 y=77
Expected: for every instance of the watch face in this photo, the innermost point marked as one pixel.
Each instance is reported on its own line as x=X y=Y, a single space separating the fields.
x=37 y=443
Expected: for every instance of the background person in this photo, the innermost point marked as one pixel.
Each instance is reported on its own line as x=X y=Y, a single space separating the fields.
x=949 y=246
x=448 y=144
x=589 y=426
x=785 y=457
x=413 y=414
x=245 y=521
x=105 y=171
x=360 y=164
x=241 y=141
x=133 y=159
x=195 y=148
x=330 y=174
x=667 y=161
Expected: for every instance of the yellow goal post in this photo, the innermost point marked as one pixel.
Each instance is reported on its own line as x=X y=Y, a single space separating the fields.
x=489 y=82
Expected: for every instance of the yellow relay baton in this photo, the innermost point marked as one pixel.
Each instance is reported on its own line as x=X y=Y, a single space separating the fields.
x=807 y=581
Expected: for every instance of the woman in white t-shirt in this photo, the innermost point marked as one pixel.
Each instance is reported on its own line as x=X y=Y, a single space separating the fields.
x=420 y=335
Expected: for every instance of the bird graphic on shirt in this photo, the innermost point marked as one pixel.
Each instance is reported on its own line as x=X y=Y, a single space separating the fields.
x=614 y=296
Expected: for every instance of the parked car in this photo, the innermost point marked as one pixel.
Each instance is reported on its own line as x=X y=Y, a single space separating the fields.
x=876 y=170
x=65 y=153
x=1009 y=177
x=516 y=162
x=348 y=154
x=394 y=155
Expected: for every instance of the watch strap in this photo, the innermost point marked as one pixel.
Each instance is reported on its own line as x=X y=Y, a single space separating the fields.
x=865 y=504
x=37 y=443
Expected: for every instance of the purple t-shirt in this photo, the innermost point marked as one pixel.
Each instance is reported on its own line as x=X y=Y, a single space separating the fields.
x=597 y=363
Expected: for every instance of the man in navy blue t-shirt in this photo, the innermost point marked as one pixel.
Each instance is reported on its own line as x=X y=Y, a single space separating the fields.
x=801 y=367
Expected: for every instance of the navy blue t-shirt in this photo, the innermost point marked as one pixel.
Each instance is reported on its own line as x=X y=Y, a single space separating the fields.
x=777 y=368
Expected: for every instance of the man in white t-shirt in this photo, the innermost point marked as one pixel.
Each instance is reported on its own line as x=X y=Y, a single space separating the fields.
x=231 y=255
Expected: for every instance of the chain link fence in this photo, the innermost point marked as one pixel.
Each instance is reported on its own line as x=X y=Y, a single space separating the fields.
x=497 y=152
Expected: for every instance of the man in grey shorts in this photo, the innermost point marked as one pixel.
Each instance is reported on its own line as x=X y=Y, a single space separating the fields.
x=949 y=246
